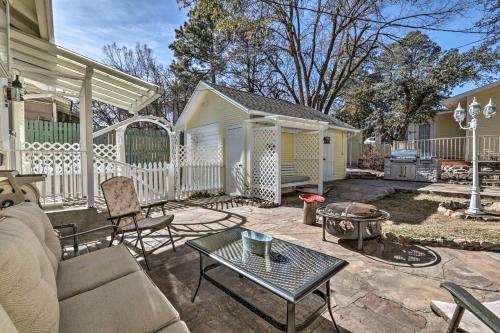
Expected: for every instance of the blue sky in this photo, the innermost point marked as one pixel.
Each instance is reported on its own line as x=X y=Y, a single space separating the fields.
x=86 y=26
x=126 y=22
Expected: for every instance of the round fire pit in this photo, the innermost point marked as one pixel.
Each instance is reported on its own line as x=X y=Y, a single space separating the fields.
x=353 y=220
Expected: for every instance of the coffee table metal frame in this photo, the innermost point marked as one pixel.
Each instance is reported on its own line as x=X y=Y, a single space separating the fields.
x=290 y=326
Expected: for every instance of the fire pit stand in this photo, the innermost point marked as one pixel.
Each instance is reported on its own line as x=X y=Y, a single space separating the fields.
x=352 y=220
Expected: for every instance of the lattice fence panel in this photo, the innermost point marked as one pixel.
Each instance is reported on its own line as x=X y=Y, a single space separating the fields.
x=307 y=151
x=200 y=168
x=264 y=160
x=62 y=163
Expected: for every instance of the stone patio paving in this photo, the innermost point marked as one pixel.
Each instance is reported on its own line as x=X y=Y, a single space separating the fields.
x=386 y=289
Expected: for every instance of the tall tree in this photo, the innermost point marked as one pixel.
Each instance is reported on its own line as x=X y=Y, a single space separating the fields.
x=140 y=62
x=308 y=50
x=199 y=48
x=408 y=81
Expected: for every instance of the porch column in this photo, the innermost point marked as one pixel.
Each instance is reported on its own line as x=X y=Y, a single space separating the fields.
x=4 y=126
x=20 y=135
x=86 y=138
x=321 y=135
x=278 y=162
x=248 y=128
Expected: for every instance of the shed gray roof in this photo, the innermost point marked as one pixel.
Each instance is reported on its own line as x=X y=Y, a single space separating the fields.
x=276 y=106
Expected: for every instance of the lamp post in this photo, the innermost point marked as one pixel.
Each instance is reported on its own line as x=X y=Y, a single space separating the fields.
x=460 y=115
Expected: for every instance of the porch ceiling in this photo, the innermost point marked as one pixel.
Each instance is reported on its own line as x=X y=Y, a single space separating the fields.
x=47 y=65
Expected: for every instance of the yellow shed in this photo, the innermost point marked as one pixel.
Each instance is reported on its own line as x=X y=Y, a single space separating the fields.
x=264 y=144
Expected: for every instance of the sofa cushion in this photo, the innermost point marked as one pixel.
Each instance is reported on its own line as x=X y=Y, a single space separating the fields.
x=34 y=217
x=89 y=271
x=6 y=325
x=177 y=327
x=28 y=290
x=129 y=304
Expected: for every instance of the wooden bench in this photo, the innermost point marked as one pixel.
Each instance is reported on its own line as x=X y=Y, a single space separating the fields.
x=290 y=178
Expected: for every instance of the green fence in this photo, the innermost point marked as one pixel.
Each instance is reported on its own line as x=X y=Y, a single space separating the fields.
x=141 y=145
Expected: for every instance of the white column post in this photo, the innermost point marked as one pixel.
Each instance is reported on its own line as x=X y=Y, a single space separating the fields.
x=19 y=129
x=250 y=145
x=277 y=136
x=86 y=137
x=176 y=161
x=54 y=110
x=321 y=135
x=120 y=149
x=120 y=144
x=4 y=125
x=475 y=199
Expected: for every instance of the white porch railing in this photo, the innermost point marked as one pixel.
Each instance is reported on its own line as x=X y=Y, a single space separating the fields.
x=489 y=147
x=445 y=148
x=454 y=148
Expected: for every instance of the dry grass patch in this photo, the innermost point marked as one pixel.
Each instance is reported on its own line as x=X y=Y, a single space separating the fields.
x=415 y=215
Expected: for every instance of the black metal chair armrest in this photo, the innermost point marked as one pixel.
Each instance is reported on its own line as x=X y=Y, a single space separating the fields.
x=468 y=302
x=116 y=230
x=155 y=204
x=67 y=226
x=74 y=227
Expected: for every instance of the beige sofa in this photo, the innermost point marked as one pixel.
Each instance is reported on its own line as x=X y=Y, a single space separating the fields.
x=103 y=291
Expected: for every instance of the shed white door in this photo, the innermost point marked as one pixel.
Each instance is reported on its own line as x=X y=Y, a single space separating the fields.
x=328 y=160
x=234 y=160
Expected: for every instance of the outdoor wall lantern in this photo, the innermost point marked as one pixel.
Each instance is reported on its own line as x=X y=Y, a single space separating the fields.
x=459 y=115
x=15 y=90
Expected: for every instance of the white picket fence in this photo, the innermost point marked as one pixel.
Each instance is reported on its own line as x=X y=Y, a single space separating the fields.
x=200 y=169
x=65 y=183
x=186 y=176
x=153 y=181
x=202 y=177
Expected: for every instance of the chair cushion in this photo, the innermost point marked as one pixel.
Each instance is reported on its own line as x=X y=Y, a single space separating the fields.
x=129 y=304
x=153 y=223
x=294 y=179
x=89 y=271
x=34 y=217
x=28 y=291
x=6 y=325
x=177 y=327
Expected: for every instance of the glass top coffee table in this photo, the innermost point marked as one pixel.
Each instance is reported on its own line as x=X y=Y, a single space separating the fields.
x=290 y=271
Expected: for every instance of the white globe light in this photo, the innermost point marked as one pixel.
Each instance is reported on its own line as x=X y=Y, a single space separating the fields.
x=490 y=109
x=459 y=113
x=474 y=108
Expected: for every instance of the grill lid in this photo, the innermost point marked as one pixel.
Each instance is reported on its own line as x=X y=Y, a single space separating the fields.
x=353 y=210
x=404 y=153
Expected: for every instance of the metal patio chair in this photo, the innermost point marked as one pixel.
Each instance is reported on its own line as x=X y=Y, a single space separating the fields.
x=466 y=301
x=125 y=211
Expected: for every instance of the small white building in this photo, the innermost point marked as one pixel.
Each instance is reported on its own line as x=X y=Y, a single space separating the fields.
x=265 y=144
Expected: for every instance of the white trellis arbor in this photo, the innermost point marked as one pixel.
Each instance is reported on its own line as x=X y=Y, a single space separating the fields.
x=121 y=127
x=266 y=171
